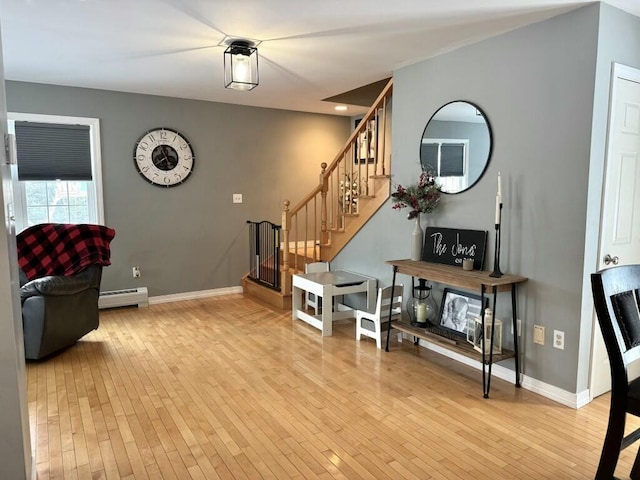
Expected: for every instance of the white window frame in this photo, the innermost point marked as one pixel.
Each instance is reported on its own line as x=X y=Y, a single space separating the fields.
x=451 y=141
x=452 y=183
x=96 y=159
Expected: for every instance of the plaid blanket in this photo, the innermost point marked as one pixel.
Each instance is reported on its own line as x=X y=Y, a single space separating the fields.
x=62 y=249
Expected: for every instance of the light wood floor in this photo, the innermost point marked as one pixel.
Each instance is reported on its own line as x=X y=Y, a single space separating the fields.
x=227 y=388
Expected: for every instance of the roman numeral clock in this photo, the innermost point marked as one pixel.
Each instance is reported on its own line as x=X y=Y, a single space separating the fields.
x=163 y=157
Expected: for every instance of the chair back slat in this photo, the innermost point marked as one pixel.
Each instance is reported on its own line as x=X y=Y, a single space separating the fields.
x=316 y=267
x=625 y=307
x=389 y=299
x=616 y=301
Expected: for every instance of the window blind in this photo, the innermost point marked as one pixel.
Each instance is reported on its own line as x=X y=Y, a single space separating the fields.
x=49 y=151
x=452 y=160
x=429 y=156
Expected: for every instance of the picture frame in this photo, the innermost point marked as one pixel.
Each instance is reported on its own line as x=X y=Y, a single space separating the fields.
x=458 y=309
x=365 y=145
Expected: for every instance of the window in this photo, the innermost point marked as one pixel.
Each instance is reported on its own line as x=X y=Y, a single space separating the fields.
x=448 y=158
x=54 y=182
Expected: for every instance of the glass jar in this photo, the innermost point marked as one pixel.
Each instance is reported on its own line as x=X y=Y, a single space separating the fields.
x=421 y=306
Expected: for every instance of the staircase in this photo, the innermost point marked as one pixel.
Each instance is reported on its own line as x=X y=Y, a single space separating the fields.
x=349 y=192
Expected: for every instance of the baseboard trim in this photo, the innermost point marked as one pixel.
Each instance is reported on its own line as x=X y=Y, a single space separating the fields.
x=572 y=400
x=178 y=297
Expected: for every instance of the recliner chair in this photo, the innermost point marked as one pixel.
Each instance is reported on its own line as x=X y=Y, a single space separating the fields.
x=58 y=310
x=60 y=274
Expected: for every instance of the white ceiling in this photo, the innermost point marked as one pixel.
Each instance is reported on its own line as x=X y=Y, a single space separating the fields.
x=310 y=50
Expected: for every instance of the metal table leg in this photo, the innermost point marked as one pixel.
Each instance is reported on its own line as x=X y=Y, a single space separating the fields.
x=393 y=291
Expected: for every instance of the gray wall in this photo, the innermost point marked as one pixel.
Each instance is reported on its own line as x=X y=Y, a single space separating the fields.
x=192 y=237
x=536 y=86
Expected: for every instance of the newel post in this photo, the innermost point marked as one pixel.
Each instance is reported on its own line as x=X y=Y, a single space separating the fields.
x=285 y=276
x=324 y=182
x=285 y=235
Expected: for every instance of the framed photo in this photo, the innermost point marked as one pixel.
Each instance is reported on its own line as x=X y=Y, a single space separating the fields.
x=457 y=309
x=365 y=147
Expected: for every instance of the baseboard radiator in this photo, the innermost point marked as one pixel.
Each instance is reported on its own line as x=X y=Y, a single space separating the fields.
x=124 y=298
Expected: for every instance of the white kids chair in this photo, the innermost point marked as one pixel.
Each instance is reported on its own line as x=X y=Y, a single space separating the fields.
x=373 y=324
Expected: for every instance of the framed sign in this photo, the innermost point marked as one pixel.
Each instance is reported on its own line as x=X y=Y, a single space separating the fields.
x=450 y=246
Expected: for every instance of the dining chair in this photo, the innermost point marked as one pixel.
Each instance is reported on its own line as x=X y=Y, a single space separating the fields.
x=372 y=324
x=310 y=299
x=616 y=297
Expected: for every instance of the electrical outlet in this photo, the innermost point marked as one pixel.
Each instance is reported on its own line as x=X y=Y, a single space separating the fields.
x=136 y=272
x=538 y=334
x=237 y=198
x=558 y=339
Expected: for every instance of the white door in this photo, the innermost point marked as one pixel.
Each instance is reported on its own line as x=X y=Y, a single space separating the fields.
x=620 y=224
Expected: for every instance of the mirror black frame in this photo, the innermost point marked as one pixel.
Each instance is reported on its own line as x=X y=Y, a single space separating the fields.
x=490 y=149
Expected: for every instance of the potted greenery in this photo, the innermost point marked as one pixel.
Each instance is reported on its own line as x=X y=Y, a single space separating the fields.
x=421 y=197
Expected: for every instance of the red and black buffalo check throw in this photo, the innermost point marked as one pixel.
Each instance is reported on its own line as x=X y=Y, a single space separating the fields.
x=63 y=249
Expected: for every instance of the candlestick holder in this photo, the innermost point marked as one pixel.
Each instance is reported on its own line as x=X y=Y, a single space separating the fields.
x=496 y=256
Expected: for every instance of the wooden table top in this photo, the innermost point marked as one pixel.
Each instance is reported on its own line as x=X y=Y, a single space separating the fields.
x=455 y=276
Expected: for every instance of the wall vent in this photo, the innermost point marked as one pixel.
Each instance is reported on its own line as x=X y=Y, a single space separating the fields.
x=124 y=298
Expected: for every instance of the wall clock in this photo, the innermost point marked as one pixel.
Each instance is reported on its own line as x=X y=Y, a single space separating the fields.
x=163 y=157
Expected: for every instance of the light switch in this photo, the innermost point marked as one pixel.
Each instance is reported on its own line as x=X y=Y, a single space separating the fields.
x=237 y=198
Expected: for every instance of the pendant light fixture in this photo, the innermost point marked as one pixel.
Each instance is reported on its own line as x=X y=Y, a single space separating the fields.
x=241 y=65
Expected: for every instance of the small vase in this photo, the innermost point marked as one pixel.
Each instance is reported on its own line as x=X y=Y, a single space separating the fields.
x=417 y=240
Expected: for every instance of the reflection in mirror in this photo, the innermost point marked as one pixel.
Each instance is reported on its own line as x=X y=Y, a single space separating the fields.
x=456 y=146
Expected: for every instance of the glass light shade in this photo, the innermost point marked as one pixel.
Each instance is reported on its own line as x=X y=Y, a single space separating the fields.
x=241 y=66
x=421 y=306
x=241 y=69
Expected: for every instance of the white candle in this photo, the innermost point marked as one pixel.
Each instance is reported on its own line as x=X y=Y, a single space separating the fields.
x=421 y=312
x=500 y=187
x=497 y=209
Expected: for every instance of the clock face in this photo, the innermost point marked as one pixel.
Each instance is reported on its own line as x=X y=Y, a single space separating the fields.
x=163 y=157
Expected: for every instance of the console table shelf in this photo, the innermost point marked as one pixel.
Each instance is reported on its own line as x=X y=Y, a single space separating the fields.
x=471 y=280
x=455 y=276
x=459 y=346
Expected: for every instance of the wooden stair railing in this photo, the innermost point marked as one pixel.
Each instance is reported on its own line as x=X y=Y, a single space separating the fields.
x=350 y=190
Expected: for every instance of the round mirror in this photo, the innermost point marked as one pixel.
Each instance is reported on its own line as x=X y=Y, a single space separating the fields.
x=456 y=146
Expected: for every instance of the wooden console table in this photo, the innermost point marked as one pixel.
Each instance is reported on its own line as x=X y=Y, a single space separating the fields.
x=470 y=280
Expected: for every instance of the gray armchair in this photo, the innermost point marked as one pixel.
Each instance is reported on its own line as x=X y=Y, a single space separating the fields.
x=60 y=272
x=58 y=310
